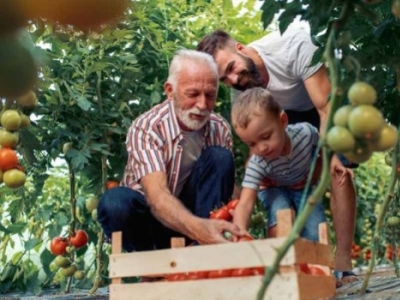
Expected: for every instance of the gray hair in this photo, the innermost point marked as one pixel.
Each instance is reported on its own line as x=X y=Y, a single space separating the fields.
x=193 y=56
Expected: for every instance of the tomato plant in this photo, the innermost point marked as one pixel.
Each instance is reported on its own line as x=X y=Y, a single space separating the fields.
x=58 y=245
x=80 y=239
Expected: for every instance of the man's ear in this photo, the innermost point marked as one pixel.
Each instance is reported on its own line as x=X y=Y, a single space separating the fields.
x=284 y=119
x=240 y=47
x=168 y=90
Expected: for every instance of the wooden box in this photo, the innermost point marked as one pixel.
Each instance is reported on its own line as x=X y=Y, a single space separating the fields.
x=290 y=283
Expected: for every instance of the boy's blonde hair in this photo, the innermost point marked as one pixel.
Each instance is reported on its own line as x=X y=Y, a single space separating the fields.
x=250 y=103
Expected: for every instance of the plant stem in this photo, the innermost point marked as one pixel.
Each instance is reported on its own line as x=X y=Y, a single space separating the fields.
x=379 y=223
x=100 y=240
x=73 y=214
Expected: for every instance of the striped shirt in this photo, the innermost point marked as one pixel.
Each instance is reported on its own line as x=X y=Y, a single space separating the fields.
x=285 y=170
x=154 y=144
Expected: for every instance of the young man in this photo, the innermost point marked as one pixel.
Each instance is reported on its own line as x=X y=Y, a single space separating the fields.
x=180 y=165
x=282 y=65
x=282 y=154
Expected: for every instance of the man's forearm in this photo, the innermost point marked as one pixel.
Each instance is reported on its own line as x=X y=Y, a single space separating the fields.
x=172 y=214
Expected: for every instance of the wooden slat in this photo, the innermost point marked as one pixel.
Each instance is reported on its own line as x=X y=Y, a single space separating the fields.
x=323 y=232
x=177 y=242
x=316 y=287
x=199 y=258
x=282 y=287
x=314 y=253
x=116 y=248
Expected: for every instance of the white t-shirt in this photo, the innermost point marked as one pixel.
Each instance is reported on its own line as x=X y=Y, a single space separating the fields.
x=192 y=144
x=287 y=59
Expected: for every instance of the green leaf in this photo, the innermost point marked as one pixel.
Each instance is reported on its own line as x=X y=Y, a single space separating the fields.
x=269 y=8
x=30 y=244
x=17 y=228
x=83 y=103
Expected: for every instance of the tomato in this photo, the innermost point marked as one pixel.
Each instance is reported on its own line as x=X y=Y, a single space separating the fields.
x=58 y=245
x=69 y=271
x=304 y=268
x=79 y=275
x=197 y=275
x=111 y=184
x=10 y=120
x=62 y=261
x=219 y=273
x=221 y=214
x=14 y=178
x=315 y=271
x=245 y=238
x=176 y=277
x=232 y=204
x=80 y=239
x=242 y=272
x=258 y=270
x=8 y=159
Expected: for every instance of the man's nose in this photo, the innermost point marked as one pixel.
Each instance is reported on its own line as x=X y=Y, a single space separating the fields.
x=201 y=102
x=233 y=79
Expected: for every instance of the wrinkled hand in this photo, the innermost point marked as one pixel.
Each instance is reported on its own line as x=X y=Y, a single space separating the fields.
x=211 y=231
x=338 y=171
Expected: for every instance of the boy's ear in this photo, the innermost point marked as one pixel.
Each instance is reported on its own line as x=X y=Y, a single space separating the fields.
x=284 y=119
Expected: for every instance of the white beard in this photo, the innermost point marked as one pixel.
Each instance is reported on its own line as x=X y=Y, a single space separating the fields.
x=184 y=117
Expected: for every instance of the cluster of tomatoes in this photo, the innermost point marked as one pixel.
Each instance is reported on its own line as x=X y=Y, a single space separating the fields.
x=12 y=120
x=61 y=246
x=360 y=128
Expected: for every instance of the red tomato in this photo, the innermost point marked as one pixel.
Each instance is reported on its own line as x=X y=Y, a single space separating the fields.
x=197 y=275
x=232 y=204
x=242 y=272
x=304 y=268
x=221 y=214
x=110 y=184
x=176 y=277
x=245 y=238
x=258 y=270
x=58 y=245
x=219 y=273
x=80 y=239
x=316 y=271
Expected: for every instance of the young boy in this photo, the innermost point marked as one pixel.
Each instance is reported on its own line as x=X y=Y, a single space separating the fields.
x=280 y=161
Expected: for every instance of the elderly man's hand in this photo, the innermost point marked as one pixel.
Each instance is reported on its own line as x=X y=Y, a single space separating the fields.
x=212 y=231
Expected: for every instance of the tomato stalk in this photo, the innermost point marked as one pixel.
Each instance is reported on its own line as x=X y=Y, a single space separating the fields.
x=100 y=241
x=379 y=223
x=316 y=196
x=71 y=230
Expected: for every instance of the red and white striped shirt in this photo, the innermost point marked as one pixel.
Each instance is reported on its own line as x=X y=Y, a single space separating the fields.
x=153 y=144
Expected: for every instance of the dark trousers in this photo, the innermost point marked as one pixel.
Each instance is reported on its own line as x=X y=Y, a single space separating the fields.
x=123 y=209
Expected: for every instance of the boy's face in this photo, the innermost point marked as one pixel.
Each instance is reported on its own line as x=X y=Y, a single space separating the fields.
x=266 y=135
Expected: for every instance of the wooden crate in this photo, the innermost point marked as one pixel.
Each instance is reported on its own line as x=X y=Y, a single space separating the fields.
x=289 y=284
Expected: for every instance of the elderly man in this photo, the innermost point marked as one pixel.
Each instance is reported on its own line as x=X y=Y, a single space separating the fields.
x=180 y=164
x=282 y=65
